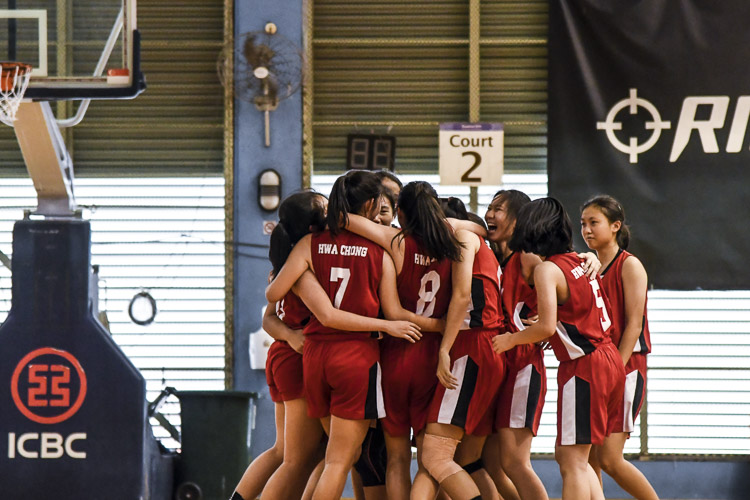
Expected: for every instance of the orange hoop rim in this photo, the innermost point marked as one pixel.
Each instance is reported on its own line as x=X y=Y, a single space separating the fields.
x=10 y=65
x=13 y=76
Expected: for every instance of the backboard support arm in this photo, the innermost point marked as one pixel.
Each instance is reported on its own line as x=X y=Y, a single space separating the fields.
x=47 y=159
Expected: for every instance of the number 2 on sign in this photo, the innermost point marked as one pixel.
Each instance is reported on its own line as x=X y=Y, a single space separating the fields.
x=477 y=162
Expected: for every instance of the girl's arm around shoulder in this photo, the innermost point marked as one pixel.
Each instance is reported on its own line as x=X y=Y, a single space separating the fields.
x=297 y=263
x=467 y=225
x=377 y=233
x=315 y=298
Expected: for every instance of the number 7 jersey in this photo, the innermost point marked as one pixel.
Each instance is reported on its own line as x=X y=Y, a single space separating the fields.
x=349 y=268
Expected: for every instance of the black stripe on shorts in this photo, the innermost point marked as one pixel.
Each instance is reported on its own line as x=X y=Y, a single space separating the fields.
x=371 y=403
x=583 y=411
x=638 y=396
x=468 y=384
x=578 y=339
x=535 y=390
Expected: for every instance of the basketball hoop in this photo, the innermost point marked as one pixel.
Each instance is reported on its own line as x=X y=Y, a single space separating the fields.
x=13 y=82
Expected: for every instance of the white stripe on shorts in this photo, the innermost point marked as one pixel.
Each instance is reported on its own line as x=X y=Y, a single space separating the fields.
x=520 y=398
x=631 y=382
x=568 y=418
x=379 y=394
x=450 y=397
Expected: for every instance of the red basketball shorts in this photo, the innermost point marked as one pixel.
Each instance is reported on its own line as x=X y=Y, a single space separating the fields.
x=342 y=378
x=522 y=394
x=480 y=372
x=589 y=397
x=409 y=380
x=284 y=372
x=635 y=390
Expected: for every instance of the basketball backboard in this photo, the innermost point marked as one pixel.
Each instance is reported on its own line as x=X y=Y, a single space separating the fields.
x=79 y=49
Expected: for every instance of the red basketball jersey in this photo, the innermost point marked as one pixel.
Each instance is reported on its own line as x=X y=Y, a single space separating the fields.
x=424 y=284
x=349 y=268
x=613 y=289
x=518 y=298
x=292 y=311
x=484 y=311
x=584 y=321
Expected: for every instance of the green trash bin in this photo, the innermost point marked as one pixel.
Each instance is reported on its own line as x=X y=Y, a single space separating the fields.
x=214 y=443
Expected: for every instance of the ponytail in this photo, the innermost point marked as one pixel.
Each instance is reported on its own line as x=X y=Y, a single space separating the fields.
x=613 y=211
x=280 y=247
x=349 y=194
x=424 y=219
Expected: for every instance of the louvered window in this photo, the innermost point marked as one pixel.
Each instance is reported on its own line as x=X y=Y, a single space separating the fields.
x=162 y=235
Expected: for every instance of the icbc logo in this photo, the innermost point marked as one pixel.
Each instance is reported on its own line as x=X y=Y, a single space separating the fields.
x=48 y=385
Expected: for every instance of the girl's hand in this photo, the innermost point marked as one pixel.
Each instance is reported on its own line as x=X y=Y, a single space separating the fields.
x=591 y=264
x=403 y=330
x=502 y=343
x=530 y=320
x=444 y=374
x=296 y=341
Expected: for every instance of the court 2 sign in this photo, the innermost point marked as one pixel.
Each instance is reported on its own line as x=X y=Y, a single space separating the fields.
x=471 y=154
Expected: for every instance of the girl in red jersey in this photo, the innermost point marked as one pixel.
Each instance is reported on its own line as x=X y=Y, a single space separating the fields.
x=522 y=394
x=298 y=436
x=469 y=373
x=422 y=253
x=341 y=368
x=574 y=316
x=624 y=282
x=521 y=401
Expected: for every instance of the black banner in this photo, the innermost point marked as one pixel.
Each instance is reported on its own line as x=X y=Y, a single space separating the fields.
x=649 y=102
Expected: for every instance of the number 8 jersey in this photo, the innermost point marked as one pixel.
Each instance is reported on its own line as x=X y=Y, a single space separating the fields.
x=349 y=268
x=424 y=284
x=583 y=322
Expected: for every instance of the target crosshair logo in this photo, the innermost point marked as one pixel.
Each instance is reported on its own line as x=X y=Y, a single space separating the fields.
x=633 y=148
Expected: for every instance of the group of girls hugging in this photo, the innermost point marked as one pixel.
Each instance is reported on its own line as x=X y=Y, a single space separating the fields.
x=432 y=334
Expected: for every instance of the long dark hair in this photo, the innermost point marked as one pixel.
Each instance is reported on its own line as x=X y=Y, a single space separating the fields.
x=349 y=195
x=614 y=212
x=542 y=227
x=424 y=219
x=299 y=214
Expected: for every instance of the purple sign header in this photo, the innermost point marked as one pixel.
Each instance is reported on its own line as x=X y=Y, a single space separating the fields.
x=471 y=126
